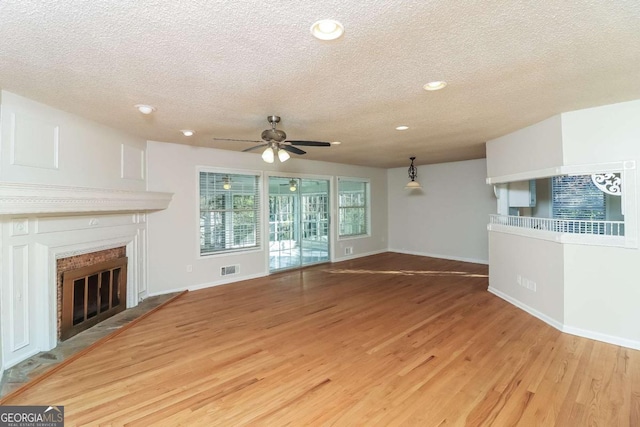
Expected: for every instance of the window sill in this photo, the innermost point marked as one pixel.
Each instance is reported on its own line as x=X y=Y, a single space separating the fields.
x=229 y=252
x=359 y=236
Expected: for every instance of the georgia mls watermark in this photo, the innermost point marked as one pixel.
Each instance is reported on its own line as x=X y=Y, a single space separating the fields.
x=31 y=416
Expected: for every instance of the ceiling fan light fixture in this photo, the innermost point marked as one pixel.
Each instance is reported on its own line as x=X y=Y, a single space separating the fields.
x=327 y=29
x=435 y=85
x=268 y=155
x=283 y=155
x=276 y=142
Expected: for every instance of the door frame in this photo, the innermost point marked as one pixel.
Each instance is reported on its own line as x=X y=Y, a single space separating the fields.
x=265 y=209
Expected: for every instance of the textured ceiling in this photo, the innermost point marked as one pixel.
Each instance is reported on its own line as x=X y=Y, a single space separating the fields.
x=220 y=67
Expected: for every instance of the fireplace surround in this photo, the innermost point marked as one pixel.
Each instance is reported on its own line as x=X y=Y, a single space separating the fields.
x=42 y=224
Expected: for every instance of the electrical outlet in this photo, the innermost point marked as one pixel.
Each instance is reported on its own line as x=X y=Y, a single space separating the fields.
x=526 y=283
x=348 y=250
x=189 y=268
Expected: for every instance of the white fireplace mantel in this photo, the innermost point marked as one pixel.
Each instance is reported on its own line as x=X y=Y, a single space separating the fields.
x=20 y=198
x=42 y=223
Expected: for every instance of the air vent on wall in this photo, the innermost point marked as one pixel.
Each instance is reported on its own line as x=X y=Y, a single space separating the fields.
x=229 y=269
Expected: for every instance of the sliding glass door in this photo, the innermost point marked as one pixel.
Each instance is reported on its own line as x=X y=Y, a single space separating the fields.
x=314 y=201
x=298 y=222
x=284 y=229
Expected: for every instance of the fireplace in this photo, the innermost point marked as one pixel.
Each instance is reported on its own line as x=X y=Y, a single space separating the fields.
x=91 y=288
x=42 y=225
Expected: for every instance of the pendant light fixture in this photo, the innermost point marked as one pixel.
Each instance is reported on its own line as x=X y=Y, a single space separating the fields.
x=293 y=185
x=413 y=173
x=226 y=183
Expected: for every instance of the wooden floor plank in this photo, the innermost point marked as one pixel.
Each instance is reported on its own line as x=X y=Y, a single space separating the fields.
x=389 y=339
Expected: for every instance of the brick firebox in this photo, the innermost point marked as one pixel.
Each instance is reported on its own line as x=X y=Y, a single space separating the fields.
x=80 y=261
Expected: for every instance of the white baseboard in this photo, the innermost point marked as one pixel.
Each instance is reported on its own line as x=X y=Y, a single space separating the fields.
x=340 y=259
x=449 y=257
x=532 y=311
x=225 y=281
x=610 y=339
x=584 y=333
x=164 y=292
x=354 y=256
x=233 y=279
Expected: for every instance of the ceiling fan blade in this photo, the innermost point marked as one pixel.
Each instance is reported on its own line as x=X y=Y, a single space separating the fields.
x=231 y=139
x=291 y=149
x=310 y=143
x=253 y=148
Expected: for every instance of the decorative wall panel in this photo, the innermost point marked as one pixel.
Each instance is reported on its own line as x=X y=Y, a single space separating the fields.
x=33 y=142
x=132 y=163
x=19 y=226
x=19 y=297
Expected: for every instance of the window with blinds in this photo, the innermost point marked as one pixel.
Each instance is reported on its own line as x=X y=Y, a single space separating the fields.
x=576 y=197
x=353 y=208
x=229 y=212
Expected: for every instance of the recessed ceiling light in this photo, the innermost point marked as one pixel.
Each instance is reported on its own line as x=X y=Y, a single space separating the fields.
x=327 y=29
x=336 y=142
x=437 y=85
x=187 y=132
x=145 y=109
x=403 y=127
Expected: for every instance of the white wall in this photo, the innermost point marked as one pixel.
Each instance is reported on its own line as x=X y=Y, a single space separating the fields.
x=44 y=145
x=2 y=259
x=602 y=134
x=600 y=283
x=543 y=207
x=448 y=217
x=515 y=261
x=174 y=233
x=535 y=147
x=602 y=293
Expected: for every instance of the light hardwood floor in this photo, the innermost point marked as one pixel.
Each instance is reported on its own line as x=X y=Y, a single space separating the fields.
x=389 y=339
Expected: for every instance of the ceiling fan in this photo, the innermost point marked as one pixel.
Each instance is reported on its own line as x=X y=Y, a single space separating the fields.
x=276 y=142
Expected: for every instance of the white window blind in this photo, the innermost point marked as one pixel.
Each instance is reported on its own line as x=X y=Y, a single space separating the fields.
x=353 y=208
x=576 y=197
x=229 y=217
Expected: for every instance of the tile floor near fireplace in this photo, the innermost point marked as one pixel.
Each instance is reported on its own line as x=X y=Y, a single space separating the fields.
x=29 y=369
